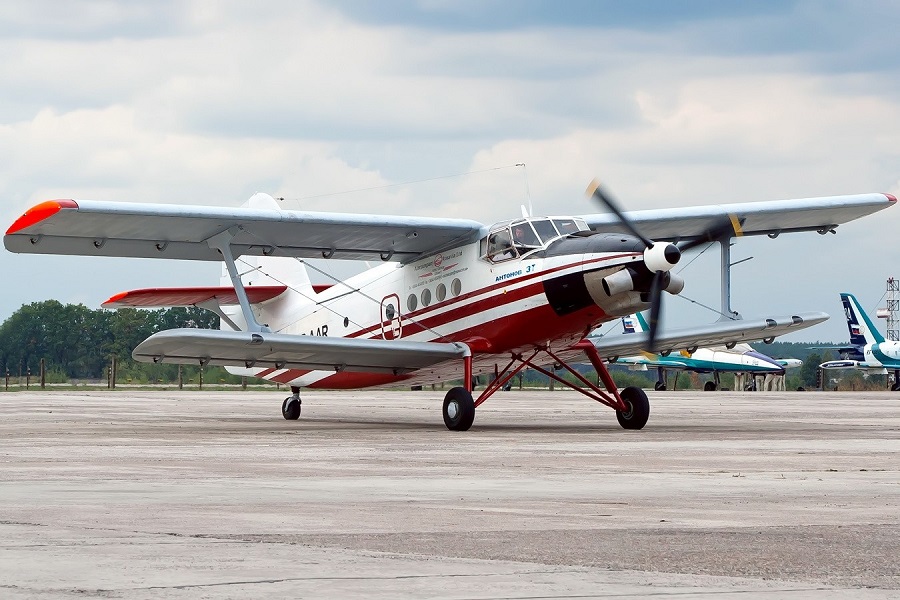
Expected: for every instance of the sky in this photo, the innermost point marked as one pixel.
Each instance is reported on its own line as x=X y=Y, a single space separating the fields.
x=426 y=107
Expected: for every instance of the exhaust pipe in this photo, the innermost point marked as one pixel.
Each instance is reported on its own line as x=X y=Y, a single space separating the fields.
x=618 y=282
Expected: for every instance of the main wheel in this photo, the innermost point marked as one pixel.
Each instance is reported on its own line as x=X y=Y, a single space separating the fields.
x=638 y=408
x=459 y=409
x=659 y=386
x=709 y=386
x=290 y=408
x=895 y=387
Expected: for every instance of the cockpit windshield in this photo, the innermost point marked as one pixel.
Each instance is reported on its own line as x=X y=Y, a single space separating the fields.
x=512 y=239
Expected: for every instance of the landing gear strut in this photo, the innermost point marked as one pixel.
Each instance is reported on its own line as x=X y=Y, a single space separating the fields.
x=631 y=406
x=290 y=408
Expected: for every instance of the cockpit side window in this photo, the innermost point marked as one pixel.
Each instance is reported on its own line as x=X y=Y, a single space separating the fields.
x=499 y=246
x=524 y=237
x=545 y=230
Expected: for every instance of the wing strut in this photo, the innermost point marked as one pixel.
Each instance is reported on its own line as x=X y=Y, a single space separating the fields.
x=222 y=243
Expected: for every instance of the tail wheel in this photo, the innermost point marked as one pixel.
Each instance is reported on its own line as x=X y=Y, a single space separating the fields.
x=290 y=408
x=459 y=409
x=637 y=408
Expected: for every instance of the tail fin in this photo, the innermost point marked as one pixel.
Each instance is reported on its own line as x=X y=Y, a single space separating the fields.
x=272 y=271
x=862 y=331
x=634 y=323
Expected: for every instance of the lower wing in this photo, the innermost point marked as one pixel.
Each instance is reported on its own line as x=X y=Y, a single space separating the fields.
x=285 y=351
x=726 y=333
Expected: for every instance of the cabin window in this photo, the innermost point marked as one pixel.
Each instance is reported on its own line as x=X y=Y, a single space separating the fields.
x=390 y=312
x=441 y=292
x=455 y=287
x=426 y=297
x=411 y=302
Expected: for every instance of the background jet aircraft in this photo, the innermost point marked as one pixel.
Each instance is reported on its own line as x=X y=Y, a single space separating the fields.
x=740 y=358
x=867 y=349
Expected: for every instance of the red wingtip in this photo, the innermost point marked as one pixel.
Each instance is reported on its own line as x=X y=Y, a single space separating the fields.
x=891 y=197
x=38 y=213
x=114 y=299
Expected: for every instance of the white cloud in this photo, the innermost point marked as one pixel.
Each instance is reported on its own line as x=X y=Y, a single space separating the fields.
x=210 y=102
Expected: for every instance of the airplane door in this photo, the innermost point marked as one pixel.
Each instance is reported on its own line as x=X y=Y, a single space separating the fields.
x=391 y=322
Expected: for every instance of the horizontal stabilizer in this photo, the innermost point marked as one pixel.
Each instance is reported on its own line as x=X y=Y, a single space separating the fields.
x=715 y=334
x=286 y=351
x=191 y=296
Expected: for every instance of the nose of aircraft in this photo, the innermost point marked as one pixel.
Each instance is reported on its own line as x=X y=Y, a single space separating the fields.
x=766 y=360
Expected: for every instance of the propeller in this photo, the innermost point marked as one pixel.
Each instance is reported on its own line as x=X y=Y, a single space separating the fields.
x=726 y=225
x=660 y=257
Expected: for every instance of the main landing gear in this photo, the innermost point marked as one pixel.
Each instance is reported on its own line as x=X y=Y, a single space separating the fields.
x=631 y=404
x=290 y=408
x=459 y=409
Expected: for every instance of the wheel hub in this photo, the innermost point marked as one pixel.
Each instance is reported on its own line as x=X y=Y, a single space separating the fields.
x=453 y=410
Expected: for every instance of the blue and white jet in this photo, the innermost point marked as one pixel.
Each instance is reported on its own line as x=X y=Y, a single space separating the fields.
x=868 y=349
x=740 y=358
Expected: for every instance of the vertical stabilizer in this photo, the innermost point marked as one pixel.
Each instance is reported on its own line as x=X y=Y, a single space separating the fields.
x=862 y=331
x=641 y=323
x=272 y=270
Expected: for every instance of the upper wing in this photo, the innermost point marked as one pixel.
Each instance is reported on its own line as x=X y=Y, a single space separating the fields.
x=182 y=232
x=773 y=217
x=724 y=332
x=283 y=351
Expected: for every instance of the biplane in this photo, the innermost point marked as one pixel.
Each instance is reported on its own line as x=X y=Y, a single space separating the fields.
x=450 y=299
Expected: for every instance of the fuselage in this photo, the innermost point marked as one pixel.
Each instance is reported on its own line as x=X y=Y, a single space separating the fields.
x=709 y=360
x=881 y=355
x=549 y=294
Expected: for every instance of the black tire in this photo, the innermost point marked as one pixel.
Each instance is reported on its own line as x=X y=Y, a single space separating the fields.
x=459 y=409
x=895 y=387
x=659 y=386
x=709 y=386
x=638 y=408
x=290 y=408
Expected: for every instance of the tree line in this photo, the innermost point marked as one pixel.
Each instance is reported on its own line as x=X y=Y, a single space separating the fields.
x=77 y=342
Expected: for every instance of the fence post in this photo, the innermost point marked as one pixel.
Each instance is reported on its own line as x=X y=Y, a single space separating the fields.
x=7 y=380
x=180 y=378
x=244 y=383
x=201 y=377
x=43 y=374
x=28 y=378
x=115 y=372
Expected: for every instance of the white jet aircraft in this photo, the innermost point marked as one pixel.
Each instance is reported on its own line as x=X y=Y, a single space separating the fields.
x=736 y=358
x=868 y=350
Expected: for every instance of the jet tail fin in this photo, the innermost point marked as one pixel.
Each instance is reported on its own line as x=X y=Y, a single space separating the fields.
x=862 y=330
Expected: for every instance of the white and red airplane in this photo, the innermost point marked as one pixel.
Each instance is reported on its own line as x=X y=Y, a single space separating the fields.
x=452 y=299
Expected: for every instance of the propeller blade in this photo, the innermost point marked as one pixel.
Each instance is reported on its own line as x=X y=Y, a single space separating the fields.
x=656 y=290
x=727 y=225
x=595 y=190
